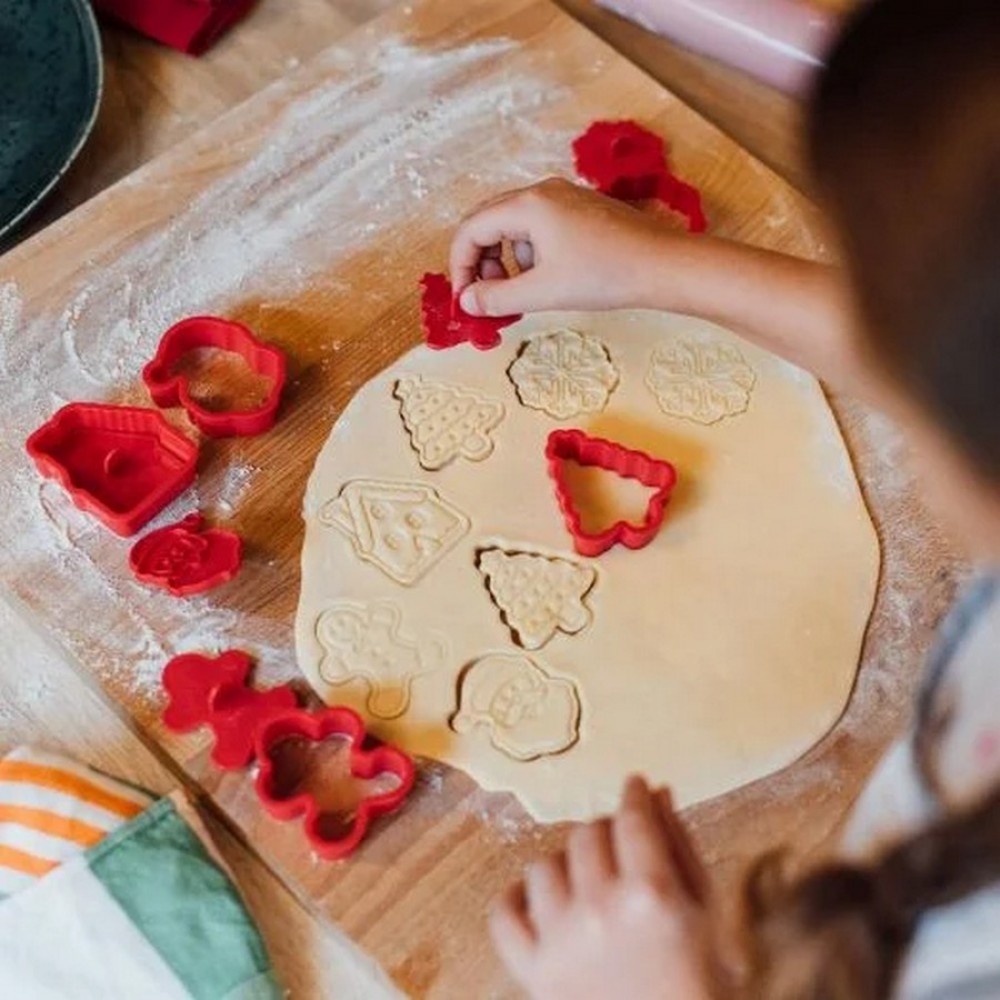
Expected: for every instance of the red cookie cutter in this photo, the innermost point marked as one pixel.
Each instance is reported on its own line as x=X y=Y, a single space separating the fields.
x=212 y=691
x=366 y=764
x=187 y=557
x=447 y=324
x=123 y=464
x=575 y=446
x=626 y=161
x=171 y=389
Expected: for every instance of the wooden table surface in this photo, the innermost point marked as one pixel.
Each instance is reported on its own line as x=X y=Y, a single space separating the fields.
x=154 y=99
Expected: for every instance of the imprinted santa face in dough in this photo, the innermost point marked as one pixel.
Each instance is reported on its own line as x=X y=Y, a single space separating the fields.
x=712 y=657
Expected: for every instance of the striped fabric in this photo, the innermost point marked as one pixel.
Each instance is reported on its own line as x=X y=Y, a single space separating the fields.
x=51 y=810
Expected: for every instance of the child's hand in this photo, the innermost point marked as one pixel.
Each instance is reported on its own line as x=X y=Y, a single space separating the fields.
x=623 y=913
x=576 y=249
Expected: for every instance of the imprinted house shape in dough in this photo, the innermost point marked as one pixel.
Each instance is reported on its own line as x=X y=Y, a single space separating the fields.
x=365 y=641
x=403 y=528
x=564 y=373
x=703 y=381
x=528 y=712
x=445 y=421
x=537 y=595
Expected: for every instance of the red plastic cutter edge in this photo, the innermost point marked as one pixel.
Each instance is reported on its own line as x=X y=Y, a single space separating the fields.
x=576 y=446
x=128 y=522
x=317 y=726
x=192 y=524
x=213 y=331
x=483 y=332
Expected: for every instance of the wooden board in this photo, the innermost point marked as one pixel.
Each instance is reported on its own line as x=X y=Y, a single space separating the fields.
x=309 y=213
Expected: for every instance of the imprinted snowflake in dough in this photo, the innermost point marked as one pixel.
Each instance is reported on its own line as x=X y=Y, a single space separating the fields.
x=698 y=381
x=402 y=528
x=537 y=595
x=445 y=421
x=364 y=641
x=528 y=712
x=564 y=374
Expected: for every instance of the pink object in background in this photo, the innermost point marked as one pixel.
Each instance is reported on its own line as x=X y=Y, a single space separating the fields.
x=781 y=42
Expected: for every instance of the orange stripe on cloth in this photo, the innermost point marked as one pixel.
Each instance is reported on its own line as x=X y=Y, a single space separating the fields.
x=64 y=827
x=69 y=784
x=22 y=861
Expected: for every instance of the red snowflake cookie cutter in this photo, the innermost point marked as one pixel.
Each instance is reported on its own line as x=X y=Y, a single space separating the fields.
x=626 y=161
x=168 y=388
x=367 y=764
x=447 y=324
x=205 y=690
x=123 y=464
x=187 y=557
x=576 y=446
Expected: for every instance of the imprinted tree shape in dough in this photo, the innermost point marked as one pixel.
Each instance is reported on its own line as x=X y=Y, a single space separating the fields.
x=364 y=641
x=537 y=595
x=402 y=528
x=700 y=381
x=564 y=374
x=446 y=421
x=528 y=712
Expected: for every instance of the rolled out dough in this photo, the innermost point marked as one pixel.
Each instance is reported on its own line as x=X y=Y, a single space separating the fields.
x=714 y=656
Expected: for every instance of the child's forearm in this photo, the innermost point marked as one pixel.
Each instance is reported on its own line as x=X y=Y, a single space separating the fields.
x=795 y=308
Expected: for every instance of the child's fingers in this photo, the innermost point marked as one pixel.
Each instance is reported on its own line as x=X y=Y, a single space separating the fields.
x=511 y=930
x=590 y=858
x=522 y=293
x=506 y=219
x=547 y=889
x=689 y=865
x=641 y=848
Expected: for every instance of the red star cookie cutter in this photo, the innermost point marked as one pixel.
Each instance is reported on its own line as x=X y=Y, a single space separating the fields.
x=576 y=446
x=367 y=764
x=626 y=161
x=187 y=557
x=212 y=691
x=123 y=464
x=168 y=388
x=447 y=324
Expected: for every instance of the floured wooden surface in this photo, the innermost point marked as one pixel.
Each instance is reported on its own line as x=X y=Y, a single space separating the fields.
x=309 y=214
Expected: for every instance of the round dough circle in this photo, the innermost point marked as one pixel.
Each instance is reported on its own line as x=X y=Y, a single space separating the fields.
x=714 y=656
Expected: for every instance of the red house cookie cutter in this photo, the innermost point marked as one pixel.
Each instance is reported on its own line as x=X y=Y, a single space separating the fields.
x=168 y=388
x=366 y=764
x=626 y=161
x=187 y=557
x=204 y=690
x=123 y=464
x=447 y=324
x=575 y=446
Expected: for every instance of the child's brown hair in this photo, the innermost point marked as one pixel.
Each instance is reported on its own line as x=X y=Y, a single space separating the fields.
x=904 y=139
x=904 y=142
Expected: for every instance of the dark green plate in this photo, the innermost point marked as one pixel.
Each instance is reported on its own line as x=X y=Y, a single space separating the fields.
x=50 y=87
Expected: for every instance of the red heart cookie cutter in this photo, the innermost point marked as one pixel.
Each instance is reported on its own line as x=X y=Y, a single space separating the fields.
x=123 y=464
x=367 y=764
x=187 y=557
x=626 y=161
x=576 y=446
x=168 y=388
x=204 y=690
x=447 y=324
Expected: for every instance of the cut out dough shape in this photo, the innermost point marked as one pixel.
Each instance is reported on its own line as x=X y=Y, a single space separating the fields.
x=446 y=421
x=528 y=713
x=364 y=641
x=537 y=595
x=402 y=528
x=564 y=374
x=700 y=381
x=716 y=655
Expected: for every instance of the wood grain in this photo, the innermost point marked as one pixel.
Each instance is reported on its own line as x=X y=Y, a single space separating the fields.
x=416 y=894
